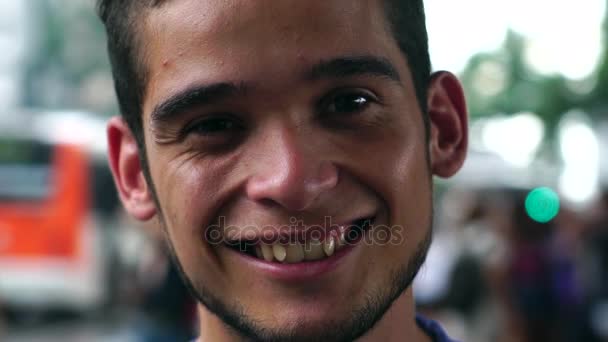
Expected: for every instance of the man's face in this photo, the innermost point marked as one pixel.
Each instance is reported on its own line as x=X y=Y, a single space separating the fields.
x=259 y=114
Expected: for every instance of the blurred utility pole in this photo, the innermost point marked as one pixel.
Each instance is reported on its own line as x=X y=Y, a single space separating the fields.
x=598 y=100
x=14 y=33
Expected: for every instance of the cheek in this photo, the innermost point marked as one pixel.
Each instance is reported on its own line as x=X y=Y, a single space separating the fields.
x=402 y=179
x=410 y=199
x=179 y=188
x=410 y=177
x=185 y=196
x=397 y=169
x=406 y=190
x=191 y=191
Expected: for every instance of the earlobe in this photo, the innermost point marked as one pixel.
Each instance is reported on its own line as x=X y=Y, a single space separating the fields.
x=134 y=192
x=448 y=140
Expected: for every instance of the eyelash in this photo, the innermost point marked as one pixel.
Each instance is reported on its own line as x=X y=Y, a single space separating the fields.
x=352 y=96
x=232 y=123
x=363 y=99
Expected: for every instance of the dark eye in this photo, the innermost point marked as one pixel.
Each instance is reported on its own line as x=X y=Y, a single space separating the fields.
x=214 y=126
x=347 y=103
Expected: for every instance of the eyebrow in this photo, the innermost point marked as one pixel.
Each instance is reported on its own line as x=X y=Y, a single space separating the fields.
x=200 y=95
x=205 y=95
x=354 y=66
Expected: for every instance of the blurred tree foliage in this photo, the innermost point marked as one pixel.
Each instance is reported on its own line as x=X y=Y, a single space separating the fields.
x=68 y=65
x=501 y=82
x=69 y=68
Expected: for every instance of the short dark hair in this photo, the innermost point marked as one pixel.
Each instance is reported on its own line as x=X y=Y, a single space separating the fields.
x=120 y=17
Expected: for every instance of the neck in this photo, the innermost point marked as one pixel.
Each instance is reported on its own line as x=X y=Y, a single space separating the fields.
x=212 y=328
x=397 y=324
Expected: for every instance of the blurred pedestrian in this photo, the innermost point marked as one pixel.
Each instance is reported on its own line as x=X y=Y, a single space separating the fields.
x=2 y=322
x=165 y=310
x=594 y=264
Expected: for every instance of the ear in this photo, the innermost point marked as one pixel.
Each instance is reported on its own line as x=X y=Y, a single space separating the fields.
x=131 y=184
x=448 y=141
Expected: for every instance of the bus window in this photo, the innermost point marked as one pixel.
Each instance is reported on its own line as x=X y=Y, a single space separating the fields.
x=25 y=170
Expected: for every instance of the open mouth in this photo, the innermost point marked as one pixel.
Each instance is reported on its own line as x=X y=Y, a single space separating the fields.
x=305 y=248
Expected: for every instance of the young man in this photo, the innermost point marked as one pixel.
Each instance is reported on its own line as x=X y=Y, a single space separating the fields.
x=287 y=150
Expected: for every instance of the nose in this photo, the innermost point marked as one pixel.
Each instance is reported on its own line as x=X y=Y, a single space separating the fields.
x=289 y=172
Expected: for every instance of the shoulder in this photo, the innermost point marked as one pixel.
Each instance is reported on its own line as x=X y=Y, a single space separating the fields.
x=433 y=329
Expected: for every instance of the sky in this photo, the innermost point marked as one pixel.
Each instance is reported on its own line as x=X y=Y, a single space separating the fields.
x=562 y=36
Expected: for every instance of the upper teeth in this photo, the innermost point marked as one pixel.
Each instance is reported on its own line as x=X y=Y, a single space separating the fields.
x=295 y=252
x=313 y=250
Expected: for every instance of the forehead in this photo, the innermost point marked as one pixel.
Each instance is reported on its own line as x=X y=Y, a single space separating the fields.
x=238 y=16
x=192 y=41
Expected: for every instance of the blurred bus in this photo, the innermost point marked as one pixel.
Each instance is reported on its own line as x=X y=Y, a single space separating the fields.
x=53 y=254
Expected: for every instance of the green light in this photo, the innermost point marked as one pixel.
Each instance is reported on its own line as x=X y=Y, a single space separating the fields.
x=542 y=204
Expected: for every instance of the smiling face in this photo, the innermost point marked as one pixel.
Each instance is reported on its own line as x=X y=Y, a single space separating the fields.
x=260 y=114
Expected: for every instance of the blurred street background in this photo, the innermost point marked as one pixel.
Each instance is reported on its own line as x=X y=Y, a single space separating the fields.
x=520 y=251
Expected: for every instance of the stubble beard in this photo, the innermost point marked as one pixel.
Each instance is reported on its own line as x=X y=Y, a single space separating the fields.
x=358 y=323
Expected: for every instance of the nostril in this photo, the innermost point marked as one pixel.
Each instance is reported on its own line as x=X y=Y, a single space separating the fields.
x=328 y=175
x=326 y=179
x=268 y=203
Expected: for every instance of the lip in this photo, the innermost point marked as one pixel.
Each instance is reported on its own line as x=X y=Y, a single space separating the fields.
x=307 y=271
x=298 y=272
x=300 y=234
